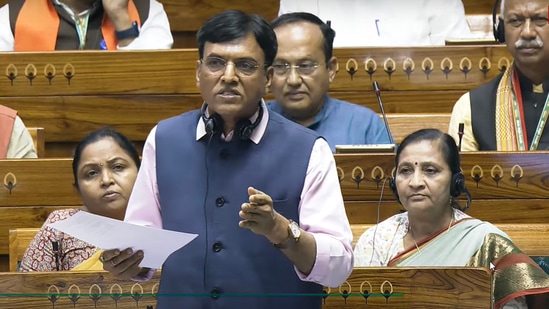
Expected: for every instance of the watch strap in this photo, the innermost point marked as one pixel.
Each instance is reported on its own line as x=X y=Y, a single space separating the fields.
x=132 y=32
x=290 y=240
x=287 y=243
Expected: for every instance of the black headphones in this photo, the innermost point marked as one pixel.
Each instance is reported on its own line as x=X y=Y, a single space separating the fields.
x=243 y=130
x=497 y=24
x=457 y=186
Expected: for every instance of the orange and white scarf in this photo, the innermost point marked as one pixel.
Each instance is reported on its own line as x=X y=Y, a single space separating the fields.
x=511 y=134
x=37 y=26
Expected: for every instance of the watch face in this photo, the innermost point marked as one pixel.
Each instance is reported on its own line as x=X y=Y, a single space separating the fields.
x=294 y=228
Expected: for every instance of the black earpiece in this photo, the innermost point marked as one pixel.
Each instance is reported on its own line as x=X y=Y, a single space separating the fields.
x=497 y=24
x=243 y=130
x=457 y=185
x=213 y=124
x=392 y=185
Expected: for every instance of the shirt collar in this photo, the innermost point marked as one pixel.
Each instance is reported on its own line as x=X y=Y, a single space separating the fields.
x=71 y=12
x=527 y=85
x=322 y=113
x=257 y=133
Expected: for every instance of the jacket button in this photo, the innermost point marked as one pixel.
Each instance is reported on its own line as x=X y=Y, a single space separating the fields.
x=219 y=202
x=224 y=154
x=217 y=247
x=215 y=293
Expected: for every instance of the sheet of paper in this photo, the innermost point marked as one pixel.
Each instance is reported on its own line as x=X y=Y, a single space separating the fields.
x=107 y=233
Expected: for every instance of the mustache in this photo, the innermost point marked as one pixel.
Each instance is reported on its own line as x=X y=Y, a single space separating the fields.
x=535 y=43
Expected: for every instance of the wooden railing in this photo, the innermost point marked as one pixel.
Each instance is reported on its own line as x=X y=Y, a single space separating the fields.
x=506 y=188
x=530 y=238
x=71 y=93
x=456 y=287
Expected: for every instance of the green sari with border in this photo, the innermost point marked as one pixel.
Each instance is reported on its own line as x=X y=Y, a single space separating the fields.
x=471 y=242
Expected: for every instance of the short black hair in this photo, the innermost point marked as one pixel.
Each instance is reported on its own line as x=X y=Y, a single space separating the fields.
x=234 y=24
x=98 y=135
x=326 y=29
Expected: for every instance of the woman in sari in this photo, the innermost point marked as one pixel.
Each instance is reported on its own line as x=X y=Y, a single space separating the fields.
x=104 y=167
x=435 y=231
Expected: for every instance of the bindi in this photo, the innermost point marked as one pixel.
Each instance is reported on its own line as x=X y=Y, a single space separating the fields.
x=415 y=163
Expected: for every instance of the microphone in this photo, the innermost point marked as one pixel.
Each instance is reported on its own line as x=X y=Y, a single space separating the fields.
x=376 y=148
x=460 y=134
x=378 y=95
x=55 y=247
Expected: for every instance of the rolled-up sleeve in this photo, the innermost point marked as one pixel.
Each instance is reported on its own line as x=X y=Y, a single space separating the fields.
x=322 y=213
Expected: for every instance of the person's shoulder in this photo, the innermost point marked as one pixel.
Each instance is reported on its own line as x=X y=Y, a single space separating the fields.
x=184 y=116
x=61 y=214
x=489 y=84
x=487 y=87
x=389 y=223
x=291 y=126
x=351 y=108
x=274 y=106
x=4 y=110
x=6 y=7
x=400 y=218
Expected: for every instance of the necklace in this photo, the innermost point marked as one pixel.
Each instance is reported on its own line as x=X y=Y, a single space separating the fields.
x=414 y=239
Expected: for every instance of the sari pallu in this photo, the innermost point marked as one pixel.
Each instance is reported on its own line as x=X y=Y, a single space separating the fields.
x=471 y=242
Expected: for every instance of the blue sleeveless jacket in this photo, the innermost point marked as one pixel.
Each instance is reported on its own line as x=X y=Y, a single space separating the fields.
x=202 y=185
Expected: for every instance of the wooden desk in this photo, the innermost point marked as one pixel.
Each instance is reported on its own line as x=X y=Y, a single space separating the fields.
x=531 y=238
x=506 y=188
x=388 y=287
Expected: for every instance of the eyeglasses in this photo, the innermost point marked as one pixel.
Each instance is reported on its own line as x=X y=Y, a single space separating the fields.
x=242 y=66
x=305 y=68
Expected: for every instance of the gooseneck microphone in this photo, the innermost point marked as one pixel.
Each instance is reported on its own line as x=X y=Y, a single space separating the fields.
x=55 y=248
x=460 y=134
x=378 y=95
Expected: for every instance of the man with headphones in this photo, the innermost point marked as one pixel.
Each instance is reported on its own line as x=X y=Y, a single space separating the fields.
x=510 y=112
x=202 y=173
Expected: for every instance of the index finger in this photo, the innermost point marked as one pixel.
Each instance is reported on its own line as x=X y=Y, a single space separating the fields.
x=260 y=199
x=253 y=191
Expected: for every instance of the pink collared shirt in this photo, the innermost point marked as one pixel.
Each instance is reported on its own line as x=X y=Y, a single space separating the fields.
x=321 y=209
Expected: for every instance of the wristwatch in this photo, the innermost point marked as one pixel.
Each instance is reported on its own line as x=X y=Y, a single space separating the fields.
x=294 y=233
x=132 y=32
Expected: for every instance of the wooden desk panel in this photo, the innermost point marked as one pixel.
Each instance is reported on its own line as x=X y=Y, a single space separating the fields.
x=400 y=287
x=488 y=175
